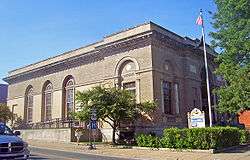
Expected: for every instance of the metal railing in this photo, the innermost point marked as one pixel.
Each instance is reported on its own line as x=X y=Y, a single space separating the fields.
x=53 y=123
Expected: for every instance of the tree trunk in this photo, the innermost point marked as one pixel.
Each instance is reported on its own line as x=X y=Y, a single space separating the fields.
x=113 y=134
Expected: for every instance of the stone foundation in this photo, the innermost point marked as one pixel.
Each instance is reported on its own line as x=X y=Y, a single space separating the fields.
x=57 y=135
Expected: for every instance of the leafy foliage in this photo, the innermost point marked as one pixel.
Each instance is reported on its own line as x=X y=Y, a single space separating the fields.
x=5 y=113
x=232 y=24
x=148 y=141
x=195 y=138
x=112 y=105
x=19 y=123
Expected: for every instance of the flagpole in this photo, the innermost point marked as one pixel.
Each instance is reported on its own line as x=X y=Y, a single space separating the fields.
x=207 y=75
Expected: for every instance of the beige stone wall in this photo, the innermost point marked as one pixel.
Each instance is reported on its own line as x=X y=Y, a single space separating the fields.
x=57 y=104
x=18 y=104
x=86 y=76
x=184 y=70
x=37 y=108
x=52 y=135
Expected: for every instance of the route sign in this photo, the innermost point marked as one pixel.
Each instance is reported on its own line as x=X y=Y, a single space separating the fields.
x=93 y=116
x=93 y=125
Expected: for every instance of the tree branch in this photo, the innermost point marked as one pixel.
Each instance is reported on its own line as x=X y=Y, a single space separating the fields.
x=107 y=122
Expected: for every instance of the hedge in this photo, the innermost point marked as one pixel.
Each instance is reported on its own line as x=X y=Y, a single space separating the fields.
x=195 y=138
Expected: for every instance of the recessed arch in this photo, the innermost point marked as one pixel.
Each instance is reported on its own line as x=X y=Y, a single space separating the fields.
x=47 y=97
x=28 y=104
x=68 y=96
x=125 y=71
x=124 y=60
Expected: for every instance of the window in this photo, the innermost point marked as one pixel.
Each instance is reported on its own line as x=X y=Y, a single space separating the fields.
x=130 y=86
x=48 y=102
x=166 y=93
x=29 y=105
x=69 y=97
x=127 y=77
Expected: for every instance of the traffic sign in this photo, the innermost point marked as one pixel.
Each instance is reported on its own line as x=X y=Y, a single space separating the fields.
x=93 y=125
x=93 y=117
x=93 y=114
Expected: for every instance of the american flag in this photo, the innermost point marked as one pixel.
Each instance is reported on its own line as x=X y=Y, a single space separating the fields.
x=199 y=20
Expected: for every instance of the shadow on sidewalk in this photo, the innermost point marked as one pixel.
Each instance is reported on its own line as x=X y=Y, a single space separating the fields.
x=238 y=149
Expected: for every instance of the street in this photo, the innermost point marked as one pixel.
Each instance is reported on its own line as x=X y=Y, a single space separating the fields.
x=44 y=154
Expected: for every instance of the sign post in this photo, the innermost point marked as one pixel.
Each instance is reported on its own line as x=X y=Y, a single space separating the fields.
x=92 y=126
x=196 y=119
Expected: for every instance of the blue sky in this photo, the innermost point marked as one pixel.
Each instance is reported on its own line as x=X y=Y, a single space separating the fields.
x=33 y=30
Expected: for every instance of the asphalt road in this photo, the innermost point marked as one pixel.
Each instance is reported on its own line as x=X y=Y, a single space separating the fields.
x=44 y=154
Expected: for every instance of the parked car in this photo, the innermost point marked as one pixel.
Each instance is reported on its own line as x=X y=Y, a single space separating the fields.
x=12 y=146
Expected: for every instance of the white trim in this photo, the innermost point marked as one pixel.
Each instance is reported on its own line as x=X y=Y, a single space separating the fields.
x=177 y=98
x=162 y=98
x=137 y=85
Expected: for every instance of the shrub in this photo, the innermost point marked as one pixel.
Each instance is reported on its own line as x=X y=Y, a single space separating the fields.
x=195 y=138
x=143 y=140
x=244 y=136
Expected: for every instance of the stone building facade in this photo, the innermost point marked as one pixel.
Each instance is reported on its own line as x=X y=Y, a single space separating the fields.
x=148 y=59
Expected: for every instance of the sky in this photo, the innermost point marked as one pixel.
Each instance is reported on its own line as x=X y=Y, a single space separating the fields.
x=33 y=30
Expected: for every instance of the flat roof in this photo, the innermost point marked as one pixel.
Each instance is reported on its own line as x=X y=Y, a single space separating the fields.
x=148 y=26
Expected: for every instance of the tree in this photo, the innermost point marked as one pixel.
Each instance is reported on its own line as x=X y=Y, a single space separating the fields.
x=5 y=113
x=112 y=106
x=232 y=36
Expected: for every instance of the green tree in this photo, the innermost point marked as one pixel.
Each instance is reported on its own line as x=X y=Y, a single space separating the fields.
x=112 y=106
x=5 y=113
x=232 y=24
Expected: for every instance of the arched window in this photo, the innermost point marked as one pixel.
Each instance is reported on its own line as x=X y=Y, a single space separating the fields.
x=28 y=105
x=47 y=102
x=126 y=74
x=68 y=97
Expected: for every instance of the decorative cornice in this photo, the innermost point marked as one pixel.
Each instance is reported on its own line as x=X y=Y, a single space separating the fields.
x=163 y=41
x=151 y=37
x=98 y=54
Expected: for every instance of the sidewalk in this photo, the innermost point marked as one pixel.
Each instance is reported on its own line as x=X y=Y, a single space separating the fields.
x=241 y=153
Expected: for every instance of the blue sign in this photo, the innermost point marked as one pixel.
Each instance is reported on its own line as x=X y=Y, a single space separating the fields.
x=195 y=120
x=93 y=125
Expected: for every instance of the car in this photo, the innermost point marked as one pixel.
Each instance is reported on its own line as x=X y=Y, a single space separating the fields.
x=12 y=146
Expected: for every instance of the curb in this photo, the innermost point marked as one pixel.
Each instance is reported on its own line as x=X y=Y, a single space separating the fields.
x=212 y=151
x=170 y=149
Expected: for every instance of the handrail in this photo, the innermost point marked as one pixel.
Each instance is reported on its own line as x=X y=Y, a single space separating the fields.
x=53 y=123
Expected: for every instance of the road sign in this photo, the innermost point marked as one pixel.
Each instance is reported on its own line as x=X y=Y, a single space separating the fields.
x=93 y=125
x=93 y=114
x=93 y=117
x=93 y=110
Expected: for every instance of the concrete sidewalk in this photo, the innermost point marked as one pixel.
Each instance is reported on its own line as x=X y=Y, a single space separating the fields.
x=240 y=153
